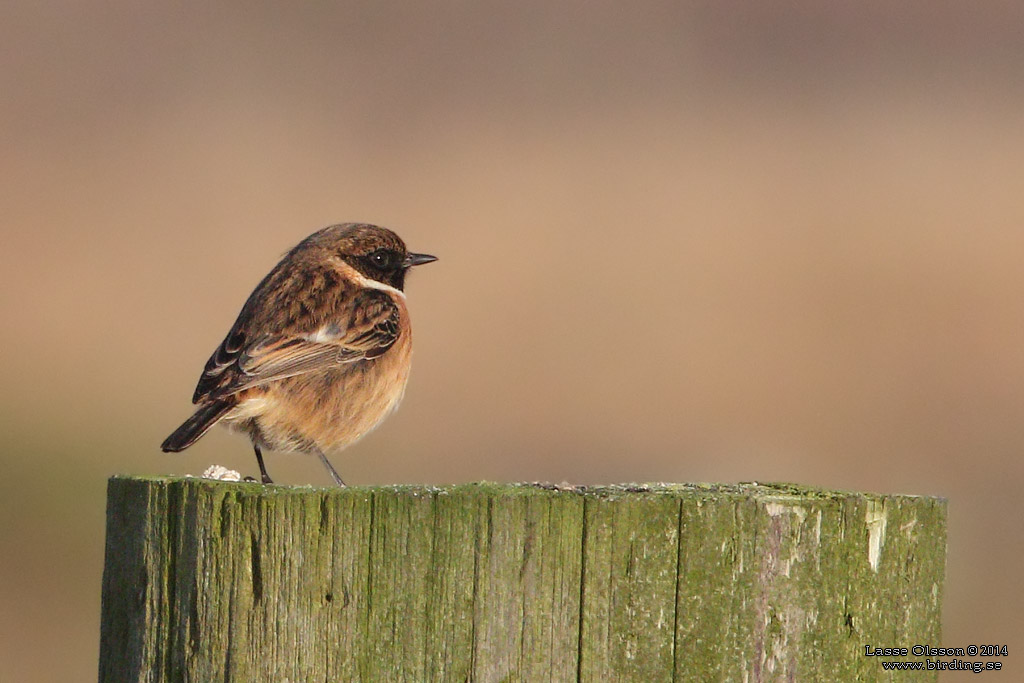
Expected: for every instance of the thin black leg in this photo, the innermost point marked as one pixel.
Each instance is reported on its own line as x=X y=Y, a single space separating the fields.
x=263 y=468
x=330 y=468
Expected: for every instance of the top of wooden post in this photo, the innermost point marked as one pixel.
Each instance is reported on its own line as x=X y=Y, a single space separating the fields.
x=752 y=489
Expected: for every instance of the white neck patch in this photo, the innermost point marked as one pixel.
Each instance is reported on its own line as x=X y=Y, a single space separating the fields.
x=364 y=281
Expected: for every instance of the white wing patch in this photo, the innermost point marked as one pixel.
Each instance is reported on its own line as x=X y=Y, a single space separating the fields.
x=331 y=332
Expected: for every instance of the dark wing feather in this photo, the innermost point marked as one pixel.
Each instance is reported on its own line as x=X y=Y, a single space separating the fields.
x=364 y=325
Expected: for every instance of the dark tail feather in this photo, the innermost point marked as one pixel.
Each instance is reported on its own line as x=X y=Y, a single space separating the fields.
x=187 y=434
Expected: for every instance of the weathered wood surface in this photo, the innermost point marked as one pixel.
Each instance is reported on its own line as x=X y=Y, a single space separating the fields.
x=222 y=581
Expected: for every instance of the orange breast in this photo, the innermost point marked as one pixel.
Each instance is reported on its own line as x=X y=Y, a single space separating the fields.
x=329 y=409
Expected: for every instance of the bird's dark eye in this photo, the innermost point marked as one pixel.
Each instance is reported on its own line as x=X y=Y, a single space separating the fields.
x=384 y=259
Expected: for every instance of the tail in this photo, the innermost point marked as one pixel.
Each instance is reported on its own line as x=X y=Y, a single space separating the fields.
x=205 y=417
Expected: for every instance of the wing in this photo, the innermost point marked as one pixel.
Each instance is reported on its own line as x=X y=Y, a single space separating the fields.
x=365 y=328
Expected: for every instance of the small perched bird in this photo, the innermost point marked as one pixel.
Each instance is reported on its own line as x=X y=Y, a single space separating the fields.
x=319 y=354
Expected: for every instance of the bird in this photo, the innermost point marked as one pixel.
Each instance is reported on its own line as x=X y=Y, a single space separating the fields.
x=320 y=352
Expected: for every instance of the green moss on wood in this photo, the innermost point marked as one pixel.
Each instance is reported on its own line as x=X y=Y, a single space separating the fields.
x=211 y=580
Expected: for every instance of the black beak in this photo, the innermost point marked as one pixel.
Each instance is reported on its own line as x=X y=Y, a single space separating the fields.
x=417 y=260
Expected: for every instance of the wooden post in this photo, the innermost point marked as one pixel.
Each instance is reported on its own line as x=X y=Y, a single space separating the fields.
x=208 y=580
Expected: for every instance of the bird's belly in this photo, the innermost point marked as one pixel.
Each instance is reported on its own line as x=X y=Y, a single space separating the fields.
x=328 y=409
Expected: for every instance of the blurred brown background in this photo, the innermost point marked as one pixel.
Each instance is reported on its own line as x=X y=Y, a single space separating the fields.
x=703 y=242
